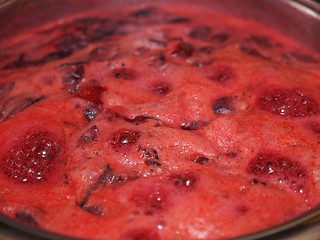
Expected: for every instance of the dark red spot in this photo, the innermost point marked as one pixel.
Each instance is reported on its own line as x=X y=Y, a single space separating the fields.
x=232 y=154
x=91 y=112
x=243 y=210
x=109 y=179
x=124 y=73
x=66 y=180
x=69 y=43
x=207 y=50
x=178 y=20
x=144 y=13
x=253 y=52
x=201 y=33
x=137 y=120
x=279 y=169
x=86 y=30
x=96 y=29
x=223 y=106
x=194 y=125
x=64 y=47
x=106 y=176
x=183 y=180
x=202 y=160
x=89 y=136
x=124 y=138
x=147 y=153
x=304 y=58
x=161 y=89
x=53 y=56
x=20 y=62
x=182 y=49
x=262 y=41
x=152 y=163
x=203 y=56
x=157 y=61
x=140 y=234
x=221 y=37
x=94 y=210
x=254 y=181
x=72 y=75
x=288 y=102
x=34 y=158
x=91 y=92
x=151 y=156
x=26 y=218
x=222 y=73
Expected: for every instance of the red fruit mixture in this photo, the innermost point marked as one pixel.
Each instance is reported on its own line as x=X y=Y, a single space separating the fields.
x=157 y=124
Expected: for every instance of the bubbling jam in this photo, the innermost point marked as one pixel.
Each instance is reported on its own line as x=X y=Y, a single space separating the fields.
x=156 y=123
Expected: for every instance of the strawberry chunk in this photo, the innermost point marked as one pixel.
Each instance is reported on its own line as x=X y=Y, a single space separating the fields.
x=33 y=158
x=123 y=139
x=288 y=102
x=279 y=170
